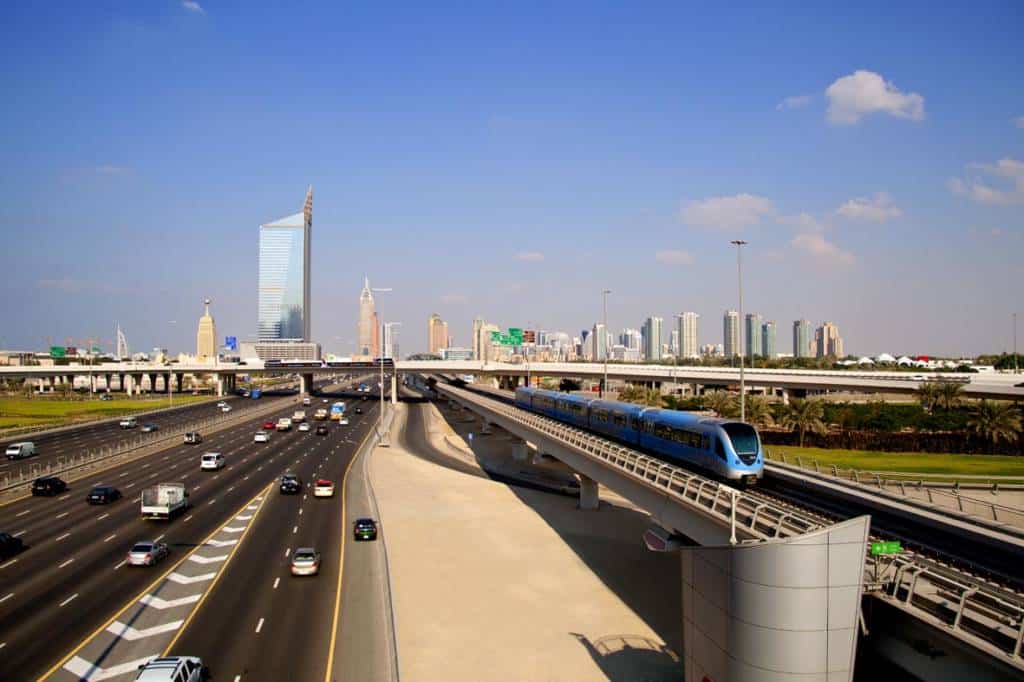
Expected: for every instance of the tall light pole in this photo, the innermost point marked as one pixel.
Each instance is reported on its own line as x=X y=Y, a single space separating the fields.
x=739 y=243
x=380 y=359
x=1016 y=369
x=597 y=344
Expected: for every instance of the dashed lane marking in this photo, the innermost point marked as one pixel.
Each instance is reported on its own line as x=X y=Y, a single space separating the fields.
x=68 y=600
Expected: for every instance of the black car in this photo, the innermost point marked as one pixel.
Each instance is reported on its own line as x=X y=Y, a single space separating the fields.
x=10 y=545
x=322 y=430
x=103 y=494
x=48 y=485
x=365 y=529
x=290 y=484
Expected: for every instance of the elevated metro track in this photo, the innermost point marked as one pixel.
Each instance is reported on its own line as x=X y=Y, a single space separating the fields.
x=964 y=584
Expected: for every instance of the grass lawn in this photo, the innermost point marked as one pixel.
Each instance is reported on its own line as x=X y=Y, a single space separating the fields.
x=24 y=412
x=915 y=462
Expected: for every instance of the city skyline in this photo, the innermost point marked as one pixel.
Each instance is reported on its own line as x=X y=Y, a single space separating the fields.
x=840 y=171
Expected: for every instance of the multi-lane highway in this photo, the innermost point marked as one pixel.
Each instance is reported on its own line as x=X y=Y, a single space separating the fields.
x=72 y=577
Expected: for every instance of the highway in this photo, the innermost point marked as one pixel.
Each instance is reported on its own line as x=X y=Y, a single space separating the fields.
x=71 y=577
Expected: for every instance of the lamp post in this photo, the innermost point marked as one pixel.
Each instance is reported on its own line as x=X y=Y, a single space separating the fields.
x=380 y=359
x=597 y=344
x=739 y=243
x=1016 y=369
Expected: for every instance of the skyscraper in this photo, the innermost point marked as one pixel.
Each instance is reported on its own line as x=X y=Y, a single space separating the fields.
x=284 y=312
x=367 y=321
x=768 y=341
x=753 y=334
x=731 y=332
x=688 y=335
x=673 y=342
x=827 y=341
x=599 y=340
x=652 y=338
x=802 y=338
x=206 y=336
x=437 y=334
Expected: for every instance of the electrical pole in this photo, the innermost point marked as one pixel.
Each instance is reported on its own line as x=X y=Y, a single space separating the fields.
x=739 y=276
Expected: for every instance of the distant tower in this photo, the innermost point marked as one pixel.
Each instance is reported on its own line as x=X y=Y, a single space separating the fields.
x=206 y=336
x=437 y=334
x=367 y=321
x=284 y=278
x=731 y=333
x=122 y=345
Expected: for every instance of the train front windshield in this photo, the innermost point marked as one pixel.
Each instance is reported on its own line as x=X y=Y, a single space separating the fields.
x=743 y=437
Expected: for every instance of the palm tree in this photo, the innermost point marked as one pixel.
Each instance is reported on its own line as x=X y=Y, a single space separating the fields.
x=995 y=421
x=641 y=396
x=949 y=394
x=804 y=415
x=722 y=403
x=928 y=394
x=759 y=411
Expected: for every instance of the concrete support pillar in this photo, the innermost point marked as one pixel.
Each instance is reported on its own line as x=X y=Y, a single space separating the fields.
x=305 y=383
x=179 y=380
x=128 y=384
x=92 y=383
x=485 y=428
x=218 y=380
x=152 y=382
x=107 y=378
x=41 y=384
x=588 y=493
x=785 y=396
x=394 y=388
x=521 y=452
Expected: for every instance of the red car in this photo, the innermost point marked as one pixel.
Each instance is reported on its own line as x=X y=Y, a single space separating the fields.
x=269 y=426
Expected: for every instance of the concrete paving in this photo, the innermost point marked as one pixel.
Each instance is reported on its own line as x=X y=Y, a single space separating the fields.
x=499 y=582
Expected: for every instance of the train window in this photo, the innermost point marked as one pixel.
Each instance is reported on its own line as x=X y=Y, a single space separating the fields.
x=743 y=437
x=719 y=450
x=619 y=419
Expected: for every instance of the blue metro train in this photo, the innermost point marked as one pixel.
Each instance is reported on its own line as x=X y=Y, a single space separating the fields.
x=728 y=449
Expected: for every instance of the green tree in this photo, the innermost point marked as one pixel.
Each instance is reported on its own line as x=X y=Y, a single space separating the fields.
x=804 y=415
x=928 y=395
x=758 y=411
x=994 y=422
x=949 y=394
x=722 y=403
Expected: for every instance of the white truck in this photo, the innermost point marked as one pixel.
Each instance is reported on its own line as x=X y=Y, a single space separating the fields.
x=299 y=416
x=128 y=423
x=284 y=424
x=164 y=500
x=21 y=450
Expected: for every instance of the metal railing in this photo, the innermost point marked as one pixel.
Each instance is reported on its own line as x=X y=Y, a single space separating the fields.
x=981 y=613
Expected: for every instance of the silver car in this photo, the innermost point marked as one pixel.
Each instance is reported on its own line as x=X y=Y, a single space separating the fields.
x=147 y=553
x=305 y=561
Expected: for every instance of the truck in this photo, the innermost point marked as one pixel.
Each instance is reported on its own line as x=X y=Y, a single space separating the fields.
x=299 y=416
x=320 y=414
x=284 y=424
x=164 y=500
x=128 y=423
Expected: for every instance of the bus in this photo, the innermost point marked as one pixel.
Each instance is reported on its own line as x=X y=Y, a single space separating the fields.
x=256 y=394
x=337 y=411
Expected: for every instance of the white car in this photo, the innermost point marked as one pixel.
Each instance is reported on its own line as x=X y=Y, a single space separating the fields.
x=173 y=669
x=211 y=461
x=343 y=421
x=221 y=404
x=323 y=488
x=305 y=561
x=226 y=408
x=261 y=437
x=304 y=426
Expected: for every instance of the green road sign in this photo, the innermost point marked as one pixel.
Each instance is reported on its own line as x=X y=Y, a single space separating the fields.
x=888 y=547
x=57 y=351
x=514 y=337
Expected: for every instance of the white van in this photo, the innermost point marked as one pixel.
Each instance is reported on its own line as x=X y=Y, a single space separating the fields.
x=20 y=450
x=212 y=461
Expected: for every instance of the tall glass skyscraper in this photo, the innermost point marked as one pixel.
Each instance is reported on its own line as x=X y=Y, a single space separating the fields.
x=731 y=333
x=284 y=276
x=803 y=338
x=753 y=334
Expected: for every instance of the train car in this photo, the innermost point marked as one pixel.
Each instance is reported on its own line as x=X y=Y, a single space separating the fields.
x=573 y=409
x=538 y=400
x=615 y=419
x=728 y=449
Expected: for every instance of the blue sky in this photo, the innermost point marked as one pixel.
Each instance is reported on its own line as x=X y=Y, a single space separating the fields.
x=512 y=162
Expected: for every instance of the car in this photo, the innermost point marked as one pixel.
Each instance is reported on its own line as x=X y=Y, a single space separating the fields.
x=359 y=410
x=365 y=529
x=211 y=461
x=305 y=561
x=343 y=421
x=322 y=430
x=290 y=484
x=106 y=396
x=103 y=494
x=48 y=486
x=222 y=404
x=147 y=553
x=128 y=423
x=269 y=426
x=193 y=437
x=20 y=450
x=324 y=400
x=284 y=424
x=323 y=488
x=149 y=428
x=261 y=437
x=173 y=669
x=304 y=426
x=307 y=401
x=10 y=545
x=226 y=408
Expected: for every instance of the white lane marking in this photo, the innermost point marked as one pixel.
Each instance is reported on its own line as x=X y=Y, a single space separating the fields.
x=3 y=599
x=221 y=543
x=300 y=512
x=68 y=600
x=207 y=559
x=61 y=537
x=120 y=564
x=123 y=475
x=64 y=498
x=159 y=537
x=252 y=507
x=189 y=579
x=103 y=516
x=23 y=513
x=84 y=670
x=66 y=562
x=237 y=677
x=158 y=603
x=130 y=485
x=295 y=530
x=287 y=552
x=232 y=529
x=231 y=488
x=277 y=582
x=110 y=538
x=127 y=632
x=187 y=518
x=61 y=516
x=12 y=561
x=259 y=626
x=243 y=518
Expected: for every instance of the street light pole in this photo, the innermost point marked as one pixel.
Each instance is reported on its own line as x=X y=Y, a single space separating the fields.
x=380 y=359
x=739 y=276
x=604 y=297
x=1016 y=369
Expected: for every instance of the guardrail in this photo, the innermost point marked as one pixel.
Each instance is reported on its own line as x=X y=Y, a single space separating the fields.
x=985 y=615
x=87 y=460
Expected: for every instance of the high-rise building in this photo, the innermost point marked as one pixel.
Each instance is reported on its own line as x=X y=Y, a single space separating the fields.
x=652 y=338
x=753 y=334
x=673 y=342
x=206 y=336
x=478 y=324
x=284 y=312
x=390 y=349
x=768 y=340
x=631 y=339
x=367 y=326
x=687 y=324
x=599 y=342
x=803 y=337
x=731 y=332
x=483 y=347
x=437 y=334
x=827 y=341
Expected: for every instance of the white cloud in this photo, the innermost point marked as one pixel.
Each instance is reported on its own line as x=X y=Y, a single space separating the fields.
x=673 y=257
x=803 y=222
x=862 y=93
x=820 y=248
x=877 y=209
x=727 y=213
x=454 y=299
x=1019 y=121
x=794 y=102
x=1007 y=171
x=193 y=6
x=530 y=256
